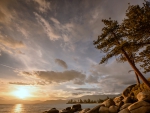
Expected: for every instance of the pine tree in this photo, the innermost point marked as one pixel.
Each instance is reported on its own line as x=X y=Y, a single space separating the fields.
x=114 y=42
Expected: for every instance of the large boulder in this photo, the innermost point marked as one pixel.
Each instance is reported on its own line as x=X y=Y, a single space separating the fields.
x=127 y=91
x=144 y=95
x=125 y=111
x=113 y=109
x=76 y=107
x=84 y=110
x=109 y=102
x=104 y=109
x=95 y=109
x=140 y=107
x=126 y=105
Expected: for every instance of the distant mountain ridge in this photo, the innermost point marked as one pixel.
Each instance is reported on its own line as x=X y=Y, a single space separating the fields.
x=92 y=97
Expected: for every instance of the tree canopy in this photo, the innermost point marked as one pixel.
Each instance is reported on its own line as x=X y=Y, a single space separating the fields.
x=128 y=41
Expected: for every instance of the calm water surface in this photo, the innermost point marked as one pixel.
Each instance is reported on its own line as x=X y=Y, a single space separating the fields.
x=36 y=108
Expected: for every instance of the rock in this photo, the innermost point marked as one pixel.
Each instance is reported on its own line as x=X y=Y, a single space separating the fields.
x=120 y=104
x=118 y=99
x=143 y=109
x=138 y=104
x=127 y=91
x=109 y=102
x=144 y=95
x=84 y=110
x=104 y=109
x=76 y=107
x=95 y=109
x=113 y=109
x=140 y=107
x=125 y=111
x=53 y=110
x=68 y=108
x=127 y=100
x=125 y=106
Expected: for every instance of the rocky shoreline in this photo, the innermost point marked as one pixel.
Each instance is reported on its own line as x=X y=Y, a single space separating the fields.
x=126 y=103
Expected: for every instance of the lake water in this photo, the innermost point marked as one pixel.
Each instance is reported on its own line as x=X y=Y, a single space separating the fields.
x=36 y=108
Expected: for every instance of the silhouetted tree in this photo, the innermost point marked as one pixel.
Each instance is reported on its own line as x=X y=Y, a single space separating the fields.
x=116 y=40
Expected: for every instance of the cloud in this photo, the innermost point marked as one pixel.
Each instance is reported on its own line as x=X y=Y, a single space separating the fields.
x=80 y=93
x=113 y=77
x=19 y=83
x=47 y=28
x=23 y=83
x=23 y=31
x=6 y=14
x=44 y=5
x=87 y=89
x=57 y=77
x=61 y=63
x=10 y=42
x=55 y=20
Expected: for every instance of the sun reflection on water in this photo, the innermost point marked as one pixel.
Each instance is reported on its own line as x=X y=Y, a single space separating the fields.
x=18 y=108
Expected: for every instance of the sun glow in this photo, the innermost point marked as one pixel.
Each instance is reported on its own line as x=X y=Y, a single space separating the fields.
x=22 y=93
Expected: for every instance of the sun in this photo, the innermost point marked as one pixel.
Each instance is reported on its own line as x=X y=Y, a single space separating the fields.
x=22 y=93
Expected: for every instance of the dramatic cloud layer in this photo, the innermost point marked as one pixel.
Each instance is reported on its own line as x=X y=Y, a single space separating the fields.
x=57 y=77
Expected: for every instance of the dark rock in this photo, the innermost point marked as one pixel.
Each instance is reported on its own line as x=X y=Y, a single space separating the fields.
x=68 y=108
x=76 y=107
x=53 y=110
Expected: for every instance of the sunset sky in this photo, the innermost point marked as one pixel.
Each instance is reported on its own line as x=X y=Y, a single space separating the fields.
x=47 y=51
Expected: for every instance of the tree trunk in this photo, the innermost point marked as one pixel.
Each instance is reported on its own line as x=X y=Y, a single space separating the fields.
x=135 y=69
x=137 y=78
